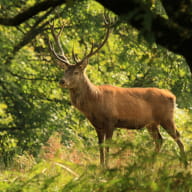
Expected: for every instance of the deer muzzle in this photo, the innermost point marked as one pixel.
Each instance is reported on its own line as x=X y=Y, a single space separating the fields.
x=62 y=83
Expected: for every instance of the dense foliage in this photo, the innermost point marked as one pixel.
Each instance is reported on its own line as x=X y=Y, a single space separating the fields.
x=47 y=139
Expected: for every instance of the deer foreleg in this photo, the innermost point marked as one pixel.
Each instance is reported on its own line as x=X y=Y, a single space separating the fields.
x=154 y=132
x=109 y=135
x=101 y=135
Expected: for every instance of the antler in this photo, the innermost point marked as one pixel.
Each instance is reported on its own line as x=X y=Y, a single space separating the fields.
x=61 y=57
x=108 y=24
x=64 y=62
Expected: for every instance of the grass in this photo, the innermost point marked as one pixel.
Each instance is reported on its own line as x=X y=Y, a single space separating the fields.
x=133 y=167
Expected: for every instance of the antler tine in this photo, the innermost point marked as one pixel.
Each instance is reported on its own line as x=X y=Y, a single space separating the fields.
x=58 y=57
x=74 y=56
x=91 y=52
x=86 y=48
x=56 y=37
x=109 y=21
x=106 y=18
x=108 y=25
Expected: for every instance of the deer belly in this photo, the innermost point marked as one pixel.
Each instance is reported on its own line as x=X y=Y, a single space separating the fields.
x=129 y=124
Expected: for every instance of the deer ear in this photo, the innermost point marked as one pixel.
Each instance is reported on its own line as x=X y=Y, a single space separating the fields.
x=84 y=64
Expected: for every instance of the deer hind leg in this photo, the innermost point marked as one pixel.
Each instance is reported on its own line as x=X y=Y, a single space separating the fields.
x=155 y=134
x=169 y=126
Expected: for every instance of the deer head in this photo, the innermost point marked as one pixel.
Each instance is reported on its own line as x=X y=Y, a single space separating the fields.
x=74 y=73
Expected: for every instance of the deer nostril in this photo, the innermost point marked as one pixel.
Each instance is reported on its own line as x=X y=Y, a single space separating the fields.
x=62 y=82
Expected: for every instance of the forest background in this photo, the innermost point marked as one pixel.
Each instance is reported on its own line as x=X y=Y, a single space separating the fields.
x=45 y=143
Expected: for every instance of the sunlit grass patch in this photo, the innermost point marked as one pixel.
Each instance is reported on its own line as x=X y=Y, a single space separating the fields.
x=74 y=167
x=140 y=170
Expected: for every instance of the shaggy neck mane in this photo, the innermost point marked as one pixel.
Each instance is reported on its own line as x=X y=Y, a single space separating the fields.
x=84 y=94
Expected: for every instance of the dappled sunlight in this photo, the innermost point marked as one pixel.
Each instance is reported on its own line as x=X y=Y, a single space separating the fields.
x=46 y=144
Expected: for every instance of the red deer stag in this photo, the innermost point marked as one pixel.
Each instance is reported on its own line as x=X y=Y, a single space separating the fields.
x=108 y=107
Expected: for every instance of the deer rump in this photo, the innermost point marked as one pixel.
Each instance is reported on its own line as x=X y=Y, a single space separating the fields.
x=131 y=108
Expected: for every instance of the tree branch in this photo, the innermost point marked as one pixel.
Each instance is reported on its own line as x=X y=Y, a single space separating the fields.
x=11 y=129
x=32 y=11
x=44 y=78
x=167 y=33
x=179 y=11
x=174 y=33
